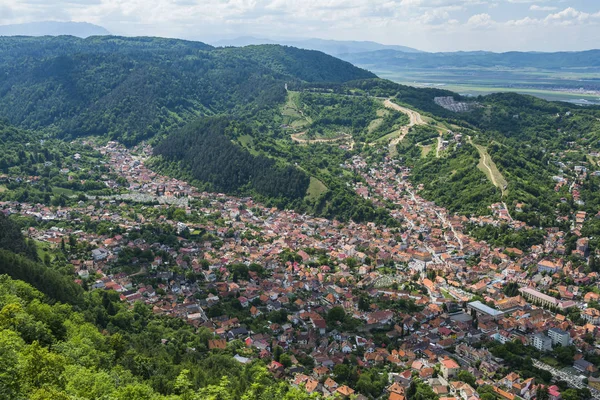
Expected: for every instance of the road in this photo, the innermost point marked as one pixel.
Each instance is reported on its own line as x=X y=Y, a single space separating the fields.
x=486 y=161
x=414 y=119
x=296 y=138
x=445 y=222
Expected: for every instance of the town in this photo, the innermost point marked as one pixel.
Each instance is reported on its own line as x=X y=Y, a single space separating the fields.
x=424 y=301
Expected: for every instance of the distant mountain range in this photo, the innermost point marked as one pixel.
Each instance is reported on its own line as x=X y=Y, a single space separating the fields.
x=53 y=28
x=331 y=47
x=380 y=57
x=389 y=59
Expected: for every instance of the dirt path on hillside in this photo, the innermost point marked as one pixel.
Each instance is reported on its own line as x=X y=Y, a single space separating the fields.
x=414 y=119
x=296 y=137
x=487 y=162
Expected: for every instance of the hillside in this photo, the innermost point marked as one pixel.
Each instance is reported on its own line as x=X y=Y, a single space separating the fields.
x=538 y=147
x=107 y=351
x=287 y=146
x=134 y=88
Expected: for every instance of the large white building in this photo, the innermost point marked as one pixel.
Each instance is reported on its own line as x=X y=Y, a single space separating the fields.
x=559 y=336
x=542 y=342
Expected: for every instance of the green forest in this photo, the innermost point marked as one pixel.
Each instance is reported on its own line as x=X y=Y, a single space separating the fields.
x=204 y=149
x=132 y=89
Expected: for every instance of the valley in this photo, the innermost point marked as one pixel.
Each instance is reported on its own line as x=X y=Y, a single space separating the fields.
x=274 y=223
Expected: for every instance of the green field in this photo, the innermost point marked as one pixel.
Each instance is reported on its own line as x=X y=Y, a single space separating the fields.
x=3 y=188
x=44 y=248
x=544 y=94
x=247 y=142
x=425 y=150
x=292 y=112
x=489 y=168
x=476 y=82
x=315 y=189
x=59 y=191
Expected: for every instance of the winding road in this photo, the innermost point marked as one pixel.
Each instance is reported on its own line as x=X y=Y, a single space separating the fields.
x=296 y=138
x=414 y=119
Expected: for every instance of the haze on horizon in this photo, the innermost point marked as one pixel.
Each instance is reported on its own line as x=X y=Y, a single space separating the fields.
x=430 y=25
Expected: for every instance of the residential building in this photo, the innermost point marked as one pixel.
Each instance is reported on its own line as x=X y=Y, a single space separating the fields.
x=542 y=342
x=559 y=337
x=449 y=368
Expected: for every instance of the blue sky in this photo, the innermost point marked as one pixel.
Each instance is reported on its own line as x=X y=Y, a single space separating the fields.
x=432 y=25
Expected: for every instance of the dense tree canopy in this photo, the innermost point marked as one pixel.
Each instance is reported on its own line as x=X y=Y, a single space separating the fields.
x=134 y=88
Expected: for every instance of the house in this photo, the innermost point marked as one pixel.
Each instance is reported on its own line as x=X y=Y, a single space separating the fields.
x=591 y=315
x=584 y=366
x=345 y=391
x=240 y=359
x=547 y=266
x=482 y=309
x=99 y=254
x=330 y=384
x=449 y=368
x=320 y=325
x=510 y=379
x=311 y=385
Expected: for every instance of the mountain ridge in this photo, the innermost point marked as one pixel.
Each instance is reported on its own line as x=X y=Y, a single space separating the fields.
x=332 y=47
x=53 y=28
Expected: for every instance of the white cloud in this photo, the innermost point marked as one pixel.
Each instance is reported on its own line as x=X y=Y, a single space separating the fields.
x=434 y=16
x=527 y=21
x=481 y=21
x=535 y=7
x=570 y=16
x=527 y=1
x=426 y=24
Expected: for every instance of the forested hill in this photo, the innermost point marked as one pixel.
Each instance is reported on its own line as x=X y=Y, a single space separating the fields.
x=204 y=149
x=107 y=351
x=134 y=88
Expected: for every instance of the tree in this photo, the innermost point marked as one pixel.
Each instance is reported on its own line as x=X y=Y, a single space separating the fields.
x=183 y=386
x=336 y=314
x=467 y=377
x=285 y=360
x=570 y=394
x=277 y=352
x=511 y=289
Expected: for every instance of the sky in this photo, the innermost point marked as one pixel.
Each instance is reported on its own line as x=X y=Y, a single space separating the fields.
x=430 y=25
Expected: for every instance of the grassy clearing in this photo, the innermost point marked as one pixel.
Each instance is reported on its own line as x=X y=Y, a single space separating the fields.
x=425 y=150
x=44 y=248
x=488 y=167
x=66 y=192
x=389 y=136
x=3 y=188
x=550 y=361
x=315 y=189
x=373 y=125
x=382 y=112
x=292 y=112
x=247 y=142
